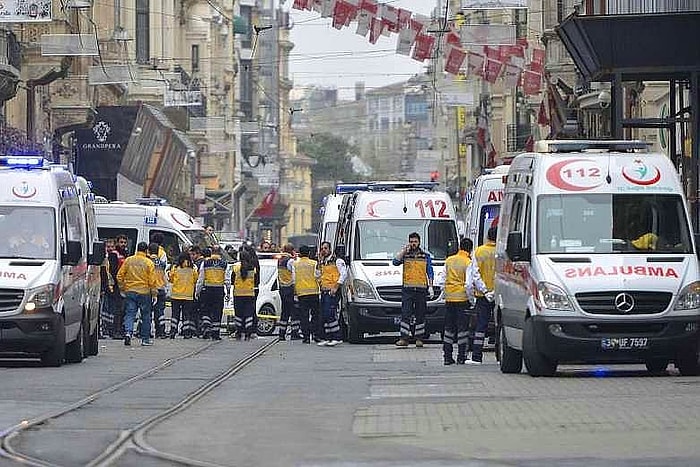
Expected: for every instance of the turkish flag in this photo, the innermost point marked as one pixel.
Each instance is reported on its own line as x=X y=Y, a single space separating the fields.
x=492 y=70
x=343 y=13
x=424 y=47
x=475 y=64
x=532 y=82
x=390 y=18
x=542 y=118
x=266 y=208
x=375 y=29
x=455 y=59
x=492 y=52
x=404 y=18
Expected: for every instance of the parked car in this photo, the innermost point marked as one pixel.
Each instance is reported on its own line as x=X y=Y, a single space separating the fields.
x=268 y=305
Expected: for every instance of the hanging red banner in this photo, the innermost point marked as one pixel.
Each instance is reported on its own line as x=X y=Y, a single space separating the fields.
x=492 y=70
x=302 y=4
x=424 y=47
x=532 y=82
x=455 y=59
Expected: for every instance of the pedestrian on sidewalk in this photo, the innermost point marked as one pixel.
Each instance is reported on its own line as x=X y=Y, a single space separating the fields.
x=109 y=291
x=116 y=260
x=417 y=286
x=334 y=271
x=139 y=286
x=183 y=276
x=213 y=284
x=459 y=270
x=289 y=317
x=243 y=279
x=481 y=286
x=305 y=274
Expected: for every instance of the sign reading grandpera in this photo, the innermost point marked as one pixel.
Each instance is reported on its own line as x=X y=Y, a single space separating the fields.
x=25 y=11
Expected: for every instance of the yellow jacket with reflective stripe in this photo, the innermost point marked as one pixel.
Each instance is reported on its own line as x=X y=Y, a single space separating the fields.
x=305 y=282
x=214 y=271
x=138 y=274
x=184 y=281
x=243 y=287
x=329 y=274
x=160 y=270
x=485 y=256
x=283 y=273
x=456 y=276
x=414 y=270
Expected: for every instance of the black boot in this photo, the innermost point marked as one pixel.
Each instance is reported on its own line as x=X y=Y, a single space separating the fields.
x=461 y=354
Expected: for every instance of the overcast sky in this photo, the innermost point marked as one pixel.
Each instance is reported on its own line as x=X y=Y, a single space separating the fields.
x=326 y=56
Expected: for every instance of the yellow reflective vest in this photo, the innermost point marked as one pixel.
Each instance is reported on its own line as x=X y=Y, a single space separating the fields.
x=329 y=274
x=415 y=270
x=184 y=281
x=305 y=282
x=214 y=271
x=243 y=287
x=485 y=256
x=138 y=274
x=283 y=273
x=456 y=276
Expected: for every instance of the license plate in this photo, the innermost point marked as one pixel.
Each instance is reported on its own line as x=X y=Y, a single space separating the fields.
x=624 y=343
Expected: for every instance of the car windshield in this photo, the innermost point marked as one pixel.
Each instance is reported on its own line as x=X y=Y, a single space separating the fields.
x=381 y=239
x=612 y=223
x=29 y=232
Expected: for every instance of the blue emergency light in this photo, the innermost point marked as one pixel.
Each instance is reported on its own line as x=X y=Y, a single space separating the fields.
x=342 y=188
x=22 y=162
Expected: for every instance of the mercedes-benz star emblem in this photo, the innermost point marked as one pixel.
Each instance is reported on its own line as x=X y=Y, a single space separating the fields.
x=624 y=302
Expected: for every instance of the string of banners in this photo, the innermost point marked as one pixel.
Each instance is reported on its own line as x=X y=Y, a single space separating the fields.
x=490 y=51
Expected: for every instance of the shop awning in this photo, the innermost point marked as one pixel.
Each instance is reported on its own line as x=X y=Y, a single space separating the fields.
x=638 y=47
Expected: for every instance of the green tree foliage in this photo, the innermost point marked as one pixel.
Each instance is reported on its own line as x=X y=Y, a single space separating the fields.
x=332 y=155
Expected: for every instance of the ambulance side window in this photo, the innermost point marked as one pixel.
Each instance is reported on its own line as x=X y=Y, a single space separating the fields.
x=516 y=213
x=526 y=223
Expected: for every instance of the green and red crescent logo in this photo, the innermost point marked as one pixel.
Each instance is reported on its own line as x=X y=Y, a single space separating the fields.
x=23 y=190
x=640 y=174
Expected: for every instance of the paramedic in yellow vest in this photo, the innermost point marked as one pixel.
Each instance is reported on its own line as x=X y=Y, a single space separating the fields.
x=289 y=317
x=417 y=286
x=305 y=274
x=139 y=286
x=485 y=259
x=243 y=278
x=334 y=271
x=213 y=284
x=183 y=276
x=159 y=305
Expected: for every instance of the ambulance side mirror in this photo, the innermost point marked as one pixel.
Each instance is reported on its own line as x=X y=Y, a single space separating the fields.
x=514 y=247
x=98 y=254
x=73 y=253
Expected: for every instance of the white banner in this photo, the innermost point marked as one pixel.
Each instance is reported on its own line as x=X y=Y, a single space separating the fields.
x=182 y=98
x=487 y=34
x=24 y=11
x=492 y=4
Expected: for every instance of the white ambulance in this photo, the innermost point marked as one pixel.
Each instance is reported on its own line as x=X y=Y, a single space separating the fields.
x=373 y=226
x=485 y=204
x=43 y=263
x=596 y=261
x=139 y=221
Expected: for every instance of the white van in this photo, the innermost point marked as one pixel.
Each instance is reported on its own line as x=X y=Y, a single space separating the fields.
x=44 y=262
x=140 y=221
x=373 y=226
x=485 y=204
x=596 y=261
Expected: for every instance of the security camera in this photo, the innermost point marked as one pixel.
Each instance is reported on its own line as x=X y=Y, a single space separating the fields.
x=604 y=98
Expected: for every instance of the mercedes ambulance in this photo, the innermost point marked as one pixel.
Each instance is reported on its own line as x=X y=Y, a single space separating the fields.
x=43 y=262
x=374 y=225
x=139 y=221
x=596 y=261
x=485 y=204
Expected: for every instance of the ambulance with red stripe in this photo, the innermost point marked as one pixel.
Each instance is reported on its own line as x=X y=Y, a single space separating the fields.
x=373 y=225
x=485 y=204
x=44 y=263
x=596 y=260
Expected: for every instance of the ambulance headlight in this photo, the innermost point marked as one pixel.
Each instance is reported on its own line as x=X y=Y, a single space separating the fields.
x=553 y=297
x=689 y=298
x=40 y=297
x=362 y=289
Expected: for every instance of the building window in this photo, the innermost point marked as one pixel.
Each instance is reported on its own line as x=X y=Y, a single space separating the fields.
x=143 y=43
x=195 y=58
x=247 y=39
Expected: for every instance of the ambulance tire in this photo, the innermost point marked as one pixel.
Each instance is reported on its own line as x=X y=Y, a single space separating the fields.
x=656 y=366
x=93 y=346
x=355 y=335
x=509 y=359
x=56 y=354
x=688 y=365
x=75 y=349
x=536 y=363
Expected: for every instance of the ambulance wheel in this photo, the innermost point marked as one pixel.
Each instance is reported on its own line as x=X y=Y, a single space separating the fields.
x=55 y=355
x=266 y=326
x=93 y=347
x=76 y=349
x=688 y=364
x=536 y=363
x=509 y=359
x=656 y=366
x=355 y=335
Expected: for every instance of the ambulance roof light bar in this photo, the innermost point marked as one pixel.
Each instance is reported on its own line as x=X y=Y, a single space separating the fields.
x=403 y=186
x=553 y=146
x=342 y=188
x=23 y=162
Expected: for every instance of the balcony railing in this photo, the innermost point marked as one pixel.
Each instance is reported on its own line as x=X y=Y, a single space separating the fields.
x=517 y=136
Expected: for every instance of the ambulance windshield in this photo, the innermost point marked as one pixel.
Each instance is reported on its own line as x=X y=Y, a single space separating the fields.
x=381 y=239
x=612 y=223
x=29 y=232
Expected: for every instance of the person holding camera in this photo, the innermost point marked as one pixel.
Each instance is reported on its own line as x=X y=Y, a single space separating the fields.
x=417 y=286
